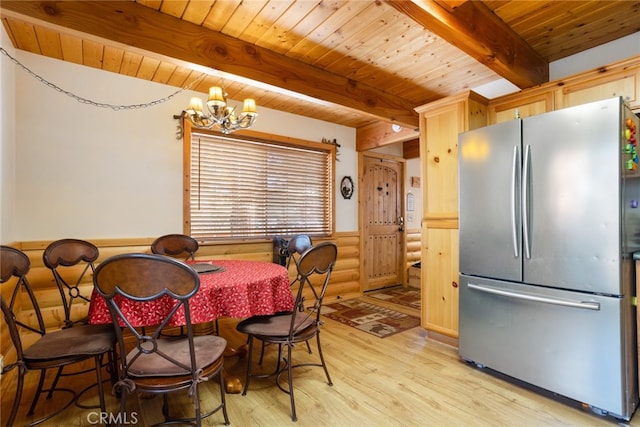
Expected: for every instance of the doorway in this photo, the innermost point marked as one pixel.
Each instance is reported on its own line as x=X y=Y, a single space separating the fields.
x=382 y=220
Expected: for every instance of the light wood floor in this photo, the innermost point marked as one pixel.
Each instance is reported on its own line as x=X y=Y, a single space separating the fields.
x=403 y=380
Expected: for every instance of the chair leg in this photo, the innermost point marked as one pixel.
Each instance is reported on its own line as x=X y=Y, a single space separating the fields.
x=112 y=363
x=294 y=417
x=324 y=365
x=55 y=382
x=39 y=390
x=103 y=403
x=22 y=371
x=223 y=398
x=279 y=359
x=165 y=407
x=263 y=344
x=123 y=404
x=249 y=357
x=98 y=361
x=196 y=406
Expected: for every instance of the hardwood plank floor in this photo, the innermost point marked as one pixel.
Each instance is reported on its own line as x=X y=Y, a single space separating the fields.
x=403 y=380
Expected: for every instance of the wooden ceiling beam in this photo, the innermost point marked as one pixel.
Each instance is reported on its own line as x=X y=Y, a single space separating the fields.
x=477 y=31
x=130 y=24
x=379 y=134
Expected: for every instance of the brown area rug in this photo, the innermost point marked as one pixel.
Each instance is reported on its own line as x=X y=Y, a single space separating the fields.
x=408 y=297
x=379 y=321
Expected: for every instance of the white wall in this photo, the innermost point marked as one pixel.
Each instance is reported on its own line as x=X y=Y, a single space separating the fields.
x=413 y=218
x=617 y=50
x=7 y=143
x=73 y=170
x=90 y=172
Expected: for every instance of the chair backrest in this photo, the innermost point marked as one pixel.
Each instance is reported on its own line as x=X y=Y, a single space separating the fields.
x=296 y=246
x=14 y=266
x=175 y=245
x=314 y=265
x=70 y=260
x=147 y=277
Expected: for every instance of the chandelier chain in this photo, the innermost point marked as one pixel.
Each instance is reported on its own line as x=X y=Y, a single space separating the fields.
x=95 y=103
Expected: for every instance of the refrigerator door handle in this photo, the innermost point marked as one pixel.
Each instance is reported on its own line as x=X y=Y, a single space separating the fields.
x=587 y=305
x=514 y=200
x=525 y=198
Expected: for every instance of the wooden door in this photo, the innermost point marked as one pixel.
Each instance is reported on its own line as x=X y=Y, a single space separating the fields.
x=382 y=216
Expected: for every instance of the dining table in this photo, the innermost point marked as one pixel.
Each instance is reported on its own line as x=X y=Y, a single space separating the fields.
x=228 y=288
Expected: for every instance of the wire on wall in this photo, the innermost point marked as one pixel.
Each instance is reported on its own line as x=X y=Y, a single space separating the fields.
x=95 y=103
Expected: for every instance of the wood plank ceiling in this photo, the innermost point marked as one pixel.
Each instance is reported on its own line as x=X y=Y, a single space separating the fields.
x=351 y=62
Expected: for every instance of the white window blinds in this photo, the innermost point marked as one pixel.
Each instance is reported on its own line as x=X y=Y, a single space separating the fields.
x=242 y=188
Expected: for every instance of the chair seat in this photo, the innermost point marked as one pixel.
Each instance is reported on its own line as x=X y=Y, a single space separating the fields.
x=274 y=325
x=79 y=341
x=160 y=384
x=208 y=349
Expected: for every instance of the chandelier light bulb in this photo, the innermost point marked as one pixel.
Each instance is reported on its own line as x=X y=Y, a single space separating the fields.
x=195 y=106
x=249 y=106
x=216 y=97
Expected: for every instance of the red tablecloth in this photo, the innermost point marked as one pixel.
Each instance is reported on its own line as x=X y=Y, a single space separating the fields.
x=243 y=289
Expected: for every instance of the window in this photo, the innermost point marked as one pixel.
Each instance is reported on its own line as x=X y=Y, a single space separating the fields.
x=251 y=188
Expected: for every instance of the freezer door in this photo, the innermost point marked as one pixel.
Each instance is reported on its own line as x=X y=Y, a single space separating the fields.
x=489 y=201
x=578 y=345
x=571 y=198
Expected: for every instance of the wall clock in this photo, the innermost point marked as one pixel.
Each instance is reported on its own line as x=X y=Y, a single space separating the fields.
x=346 y=187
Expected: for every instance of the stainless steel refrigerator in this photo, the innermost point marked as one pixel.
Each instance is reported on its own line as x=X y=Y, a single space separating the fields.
x=549 y=220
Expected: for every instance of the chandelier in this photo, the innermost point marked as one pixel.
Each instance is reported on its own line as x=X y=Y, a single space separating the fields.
x=220 y=114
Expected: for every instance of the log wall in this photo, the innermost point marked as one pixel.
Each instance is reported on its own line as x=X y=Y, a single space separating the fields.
x=345 y=280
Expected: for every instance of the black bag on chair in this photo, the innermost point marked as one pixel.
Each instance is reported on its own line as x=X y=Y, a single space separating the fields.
x=280 y=253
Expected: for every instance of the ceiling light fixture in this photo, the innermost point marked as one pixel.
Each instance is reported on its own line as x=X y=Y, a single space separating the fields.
x=220 y=115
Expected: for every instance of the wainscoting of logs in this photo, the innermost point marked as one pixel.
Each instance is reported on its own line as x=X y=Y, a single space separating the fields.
x=414 y=247
x=345 y=280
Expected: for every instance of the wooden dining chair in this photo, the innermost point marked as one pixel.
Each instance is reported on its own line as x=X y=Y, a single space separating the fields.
x=158 y=364
x=52 y=349
x=179 y=246
x=300 y=325
x=72 y=262
x=296 y=246
x=175 y=245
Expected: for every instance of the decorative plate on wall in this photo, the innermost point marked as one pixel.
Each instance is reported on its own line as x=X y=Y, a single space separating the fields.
x=346 y=187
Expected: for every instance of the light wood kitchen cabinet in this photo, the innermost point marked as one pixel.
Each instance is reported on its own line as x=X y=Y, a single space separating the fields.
x=440 y=296
x=440 y=124
x=616 y=81
x=619 y=79
x=511 y=106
